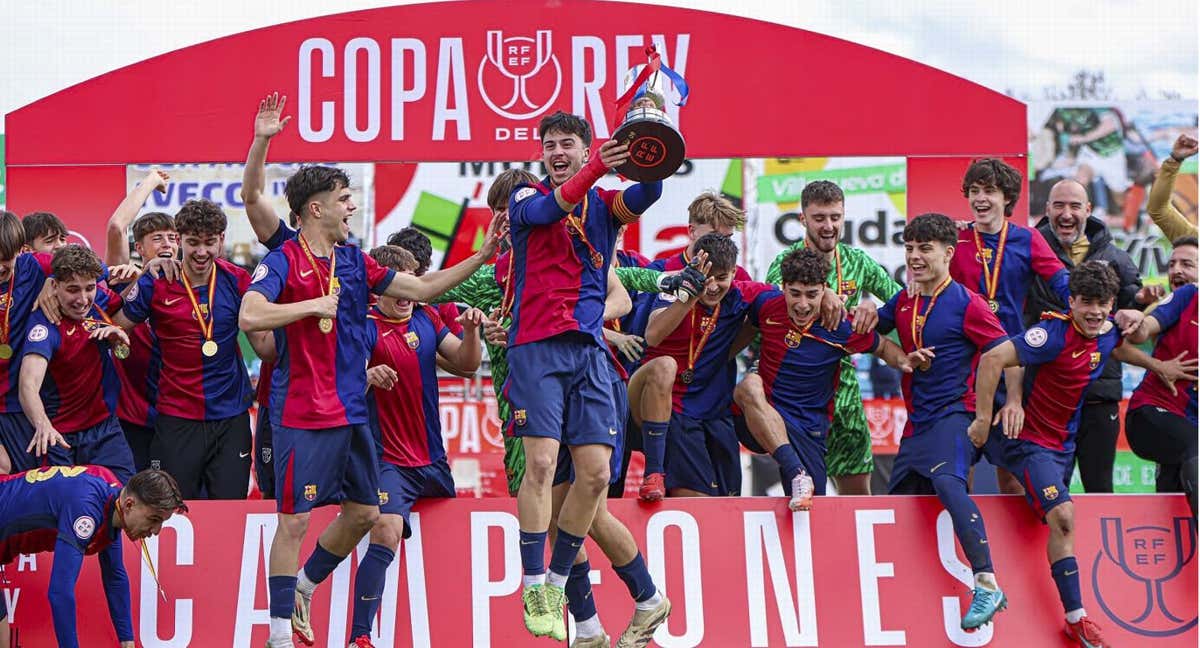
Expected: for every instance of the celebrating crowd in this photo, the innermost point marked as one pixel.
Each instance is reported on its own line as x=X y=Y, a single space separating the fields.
x=125 y=389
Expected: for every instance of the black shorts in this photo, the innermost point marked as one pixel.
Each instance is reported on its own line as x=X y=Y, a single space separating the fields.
x=206 y=458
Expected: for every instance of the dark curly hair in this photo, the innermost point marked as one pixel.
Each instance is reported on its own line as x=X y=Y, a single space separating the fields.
x=1094 y=280
x=722 y=253
x=567 y=123
x=821 y=191
x=415 y=241
x=804 y=266
x=931 y=227
x=310 y=180
x=200 y=218
x=75 y=261
x=997 y=173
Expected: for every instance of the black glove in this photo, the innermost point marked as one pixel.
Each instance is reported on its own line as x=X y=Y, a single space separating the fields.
x=690 y=282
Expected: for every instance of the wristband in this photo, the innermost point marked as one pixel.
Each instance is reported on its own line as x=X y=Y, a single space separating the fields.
x=573 y=190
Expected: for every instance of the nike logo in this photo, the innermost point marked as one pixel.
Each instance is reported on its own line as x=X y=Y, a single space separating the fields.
x=305 y=273
x=1112 y=417
x=169 y=302
x=656 y=433
x=369 y=598
x=1071 y=573
x=904 y=308
x=934 y=469
x=71 y=331
x=526 y=544
x=386 y=333
x=771 y=322
x=612 y=432
x=576 y=544
x=1076 y=354
x=243 y=455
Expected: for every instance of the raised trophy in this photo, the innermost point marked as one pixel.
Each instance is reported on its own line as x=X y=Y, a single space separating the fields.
x=656 y=148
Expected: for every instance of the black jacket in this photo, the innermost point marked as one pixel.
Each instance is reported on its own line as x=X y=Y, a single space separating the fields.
x=1100 y=248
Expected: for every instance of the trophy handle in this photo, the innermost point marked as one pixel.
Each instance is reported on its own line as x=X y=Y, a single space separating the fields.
x=495 y=42
x=543 y=50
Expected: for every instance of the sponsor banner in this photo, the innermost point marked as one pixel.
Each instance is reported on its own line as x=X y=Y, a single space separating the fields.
x=222 y=184
x=879 y=571
x=2 y=179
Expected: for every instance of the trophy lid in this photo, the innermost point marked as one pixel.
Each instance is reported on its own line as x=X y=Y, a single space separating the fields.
x=654 y=87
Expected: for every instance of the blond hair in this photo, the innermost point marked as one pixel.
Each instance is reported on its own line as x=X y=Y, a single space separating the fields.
x=715 y=210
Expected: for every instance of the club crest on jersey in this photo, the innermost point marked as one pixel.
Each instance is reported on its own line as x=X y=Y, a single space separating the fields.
x=1094 y=360
x=984 y=255
x=1050 y=492
x=792 y=339
x=266 y=455
x=383 y=497
x=5 y=300
x=310 y=492
x=84 y=527
x=519 y=417
x=413 y=340
x=848 y=287
x=203 y=310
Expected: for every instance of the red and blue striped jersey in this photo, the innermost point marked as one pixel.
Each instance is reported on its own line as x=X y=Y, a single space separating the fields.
x=80 y=387
x=137 y=376
x=192 y=385
x=800 y=368
x=320 y=379
x=1176 y=315
x=29 y=273
x=710 y=391
x=69 y=503
x=1026 y=256
x=557 y=288
x=1060 y=363
x=406 y=417
x=961 y=327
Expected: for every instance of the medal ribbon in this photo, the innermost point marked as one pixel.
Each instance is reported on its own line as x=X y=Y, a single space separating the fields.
x=388 y=320
x=804 y=333
x=918 y=331
x=693 y=350
x=575 y=227
x=991 y=277
x=11 y=282
x=312 y=262
x=206 y=327
x=1048 y=315
x=653 y=64
x=510 y=293
x=616 y=322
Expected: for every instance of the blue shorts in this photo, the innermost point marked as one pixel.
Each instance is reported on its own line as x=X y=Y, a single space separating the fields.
x=560 y=389
x=940 y=447
x=809 y=446
x=703 y=456
x=318 y=467
x=401 y=486
x=102 y=444
x=264 y=472
x=15 y=435
x=564 y=470
x=1044 y=472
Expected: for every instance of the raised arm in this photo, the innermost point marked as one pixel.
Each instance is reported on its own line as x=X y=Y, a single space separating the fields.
x=267 y=124
x=116 y=245
x=1164 y=214
x=430 y=285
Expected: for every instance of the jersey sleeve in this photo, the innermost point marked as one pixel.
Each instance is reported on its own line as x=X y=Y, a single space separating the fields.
x=378 y=276
x=1169 y=309
x=139 y=298
x=980 y=324
x=108 y=300
x=761 y=300
x=270 y=275
x=43 y=261
x=116 y=590
x=1048 y=266
x=478 y=291
x=64 y=573
x=529 y=206
x=639 y=279
x=440 y=329
x=42 y=339
x=862 y=343
x=1040 y=343
x=627 y=205
x=448 y=317
x=751 y=290
x=282 y=234
x=887 y=315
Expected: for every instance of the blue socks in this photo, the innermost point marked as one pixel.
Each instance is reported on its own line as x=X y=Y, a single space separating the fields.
x=968 y=522
x=579 y=592
x=282 y=592
x=789 y=464
x=566 y=548
x=1066 y=579
x=320 y=564
x=637 y=579
x=654 y=444
x=533 y=553
x=368 y=588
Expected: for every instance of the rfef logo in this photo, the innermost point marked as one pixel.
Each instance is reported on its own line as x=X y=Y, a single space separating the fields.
x=1134 y=576
x=513 y=78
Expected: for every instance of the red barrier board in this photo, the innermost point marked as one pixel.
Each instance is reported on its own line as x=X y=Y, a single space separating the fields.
x=740 y=572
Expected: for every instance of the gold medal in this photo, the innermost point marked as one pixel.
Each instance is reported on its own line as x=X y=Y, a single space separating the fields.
x=209 y=348
x=994 y=305
x=687 y=376
x=325 y=324
x=597 y=260
x=121 y=350
x=6 y=352
x=924 y=366
x=335 y=285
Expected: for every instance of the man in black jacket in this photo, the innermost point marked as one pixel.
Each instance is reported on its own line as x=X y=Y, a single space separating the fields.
x=1076 y=237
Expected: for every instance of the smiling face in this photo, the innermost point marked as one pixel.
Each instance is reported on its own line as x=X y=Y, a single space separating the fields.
x=563 y=154
x=200 y=250
x=823 y=226
x=76 y=294
x=396 y=308
x=1181 y=269
x=987 y=206
x=716 y=287
x=1068 y=209
x=927 y=261
x=161 y=243
x=1090 y=313
x=335 y=208
x=803 y=302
